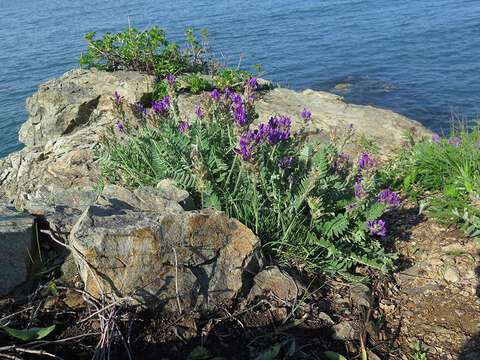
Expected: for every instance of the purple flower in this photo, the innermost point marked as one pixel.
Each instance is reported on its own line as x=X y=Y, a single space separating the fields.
x=142 y=109
x=184 y=126
x=307 y=115
x=215 y=94
x=405 y=143
x=117 y=96
x=120 y=126
x=286 y=161
x=389 y=197
x=365 y=162
x=162 y=106
x=170 y=79
x=253 y=83
x=350 y=126
x=360 y=192
x=436 y=139
x=377 y=227
x=350 y=207
x=199 y=112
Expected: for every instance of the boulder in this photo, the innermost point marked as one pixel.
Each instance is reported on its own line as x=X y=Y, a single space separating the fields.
x=330 y=113
x=153 y=255
x=62 y=105
x=16 y=235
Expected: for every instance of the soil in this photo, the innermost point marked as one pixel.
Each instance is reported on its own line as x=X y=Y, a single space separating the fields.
x=433 y=298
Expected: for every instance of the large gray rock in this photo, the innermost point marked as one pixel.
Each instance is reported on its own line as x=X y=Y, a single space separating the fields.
x=62 y=105
x=151 y=255
x=330 y=113
x=16 y=233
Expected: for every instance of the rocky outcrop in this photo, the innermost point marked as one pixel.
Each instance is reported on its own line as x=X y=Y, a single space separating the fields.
x=131 y=239
x=16 y=234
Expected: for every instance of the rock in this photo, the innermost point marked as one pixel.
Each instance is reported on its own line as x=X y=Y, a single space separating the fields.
x=360 y=294
x=62 y=105
x=342 y=86
x=326 y=318
x=151 y=255
x=343 y=331
x=16 y=235
x=451 y=274
x=272 y=280
x=73 y=299
x=330 y=112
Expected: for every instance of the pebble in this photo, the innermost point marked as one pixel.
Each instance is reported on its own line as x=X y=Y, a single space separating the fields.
x=360 y=294
x=324 y=317
x=343 y=331
x=451 y=274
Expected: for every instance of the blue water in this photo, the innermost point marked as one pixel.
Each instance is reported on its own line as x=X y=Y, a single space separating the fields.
x=418 y=58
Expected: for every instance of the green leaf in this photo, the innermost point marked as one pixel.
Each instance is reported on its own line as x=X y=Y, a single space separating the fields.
x=270 y=354
x=199 y=353
x=334 y=356
x=34 y=333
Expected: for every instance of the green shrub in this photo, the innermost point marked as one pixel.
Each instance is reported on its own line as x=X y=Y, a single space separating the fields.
x=147 y=51
x=234 y=79
x=309 y=204
x=444 y=174
x=196 y=83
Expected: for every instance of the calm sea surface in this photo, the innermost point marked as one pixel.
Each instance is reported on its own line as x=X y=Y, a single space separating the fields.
x=418 y=58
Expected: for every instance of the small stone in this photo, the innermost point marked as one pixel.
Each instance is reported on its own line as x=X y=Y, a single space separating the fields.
x=451 y=274
x=436 y=262
x=73 y=299
x=360 y=294
x=326 y=318
x=343 y=331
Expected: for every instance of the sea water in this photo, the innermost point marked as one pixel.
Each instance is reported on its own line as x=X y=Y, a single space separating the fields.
x=418 y=58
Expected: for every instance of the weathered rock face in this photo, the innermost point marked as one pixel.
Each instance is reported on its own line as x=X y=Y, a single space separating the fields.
x=330 y=112
x=151 y=255
x=16 y=233
x=62 y=105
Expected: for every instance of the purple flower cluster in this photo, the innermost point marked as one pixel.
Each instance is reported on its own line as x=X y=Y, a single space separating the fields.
x=360 y=192
x=307 y=115
x=274 y=131
x=162 y=106
x=120 y=126
x=285 y=162
x=184 y=126
x=457 y=142
x=365 y=162
x=405 y=143
x=141 y=109
x=170 y=79
x=342 y=159
x=377 y=227
x=389 y=197
x=252 y=83
x=116 y=101
x=215 y=95
x=199 y=112
x=234 y=103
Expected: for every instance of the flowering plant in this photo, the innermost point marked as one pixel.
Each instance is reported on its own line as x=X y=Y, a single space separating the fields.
x=309 y=203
